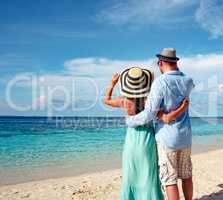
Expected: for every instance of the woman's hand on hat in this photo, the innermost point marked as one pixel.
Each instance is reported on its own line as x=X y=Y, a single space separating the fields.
x=115 y=78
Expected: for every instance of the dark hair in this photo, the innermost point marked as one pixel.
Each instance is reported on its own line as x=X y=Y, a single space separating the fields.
x=139 y=104
x=170 y=63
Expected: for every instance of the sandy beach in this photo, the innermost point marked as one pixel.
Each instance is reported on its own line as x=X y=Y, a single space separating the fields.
x=208 y=184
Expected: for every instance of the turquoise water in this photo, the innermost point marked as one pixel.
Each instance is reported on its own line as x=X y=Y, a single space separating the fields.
x=73 y=145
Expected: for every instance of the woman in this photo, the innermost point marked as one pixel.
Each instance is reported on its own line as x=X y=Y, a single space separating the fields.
x=140 y=179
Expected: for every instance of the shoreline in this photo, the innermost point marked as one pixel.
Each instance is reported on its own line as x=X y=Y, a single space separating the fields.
x=66 y=170
x=208 y=183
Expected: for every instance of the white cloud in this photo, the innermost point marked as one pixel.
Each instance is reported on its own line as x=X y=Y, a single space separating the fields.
x=203 y=63
x=210 y=16
x=220 y=87
x=93 y=74
x=138 y=12
x=101 y=68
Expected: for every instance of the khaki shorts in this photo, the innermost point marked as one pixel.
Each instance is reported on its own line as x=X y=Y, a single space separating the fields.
x=174 y=165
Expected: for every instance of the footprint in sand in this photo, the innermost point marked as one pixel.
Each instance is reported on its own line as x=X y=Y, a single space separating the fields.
x=25 y=196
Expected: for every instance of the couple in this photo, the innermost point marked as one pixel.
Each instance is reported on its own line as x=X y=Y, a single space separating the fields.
x=164 y=101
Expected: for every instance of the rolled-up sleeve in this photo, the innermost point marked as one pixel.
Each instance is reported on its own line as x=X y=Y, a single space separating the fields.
x=152 y=106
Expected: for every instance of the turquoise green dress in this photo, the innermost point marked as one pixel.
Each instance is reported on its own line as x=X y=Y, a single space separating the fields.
x=140 y=178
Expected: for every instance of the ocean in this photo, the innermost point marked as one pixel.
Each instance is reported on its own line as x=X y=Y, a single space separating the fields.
x=34 y=148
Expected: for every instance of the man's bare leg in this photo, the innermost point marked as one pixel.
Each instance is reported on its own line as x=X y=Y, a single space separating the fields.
x=172 y=192
x=187 y=186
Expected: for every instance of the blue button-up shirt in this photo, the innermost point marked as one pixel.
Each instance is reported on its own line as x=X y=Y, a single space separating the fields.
x=167 y=93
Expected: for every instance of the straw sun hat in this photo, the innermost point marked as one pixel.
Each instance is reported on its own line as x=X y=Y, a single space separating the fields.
x=135 y=82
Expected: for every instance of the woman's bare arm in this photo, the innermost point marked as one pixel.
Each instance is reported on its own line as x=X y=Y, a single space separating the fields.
x=167 y=118
x=118 y=102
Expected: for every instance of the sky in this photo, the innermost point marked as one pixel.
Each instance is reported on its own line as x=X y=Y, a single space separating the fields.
x=57 y=57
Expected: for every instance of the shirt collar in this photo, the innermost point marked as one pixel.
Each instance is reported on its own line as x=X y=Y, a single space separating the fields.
x=173 y=72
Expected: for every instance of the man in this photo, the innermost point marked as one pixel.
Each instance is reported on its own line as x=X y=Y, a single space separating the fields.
x=173 y=139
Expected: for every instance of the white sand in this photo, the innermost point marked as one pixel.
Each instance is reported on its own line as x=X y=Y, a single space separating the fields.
x=208 y=184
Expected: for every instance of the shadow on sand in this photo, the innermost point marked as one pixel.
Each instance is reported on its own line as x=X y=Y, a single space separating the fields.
x=214 y=196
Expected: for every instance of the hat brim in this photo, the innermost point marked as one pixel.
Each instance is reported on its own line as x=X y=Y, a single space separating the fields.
x=135 y=91
x=166 y=58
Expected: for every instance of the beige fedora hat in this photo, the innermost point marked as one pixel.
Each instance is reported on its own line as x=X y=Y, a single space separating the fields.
x=168 y=54
x=136 y=82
